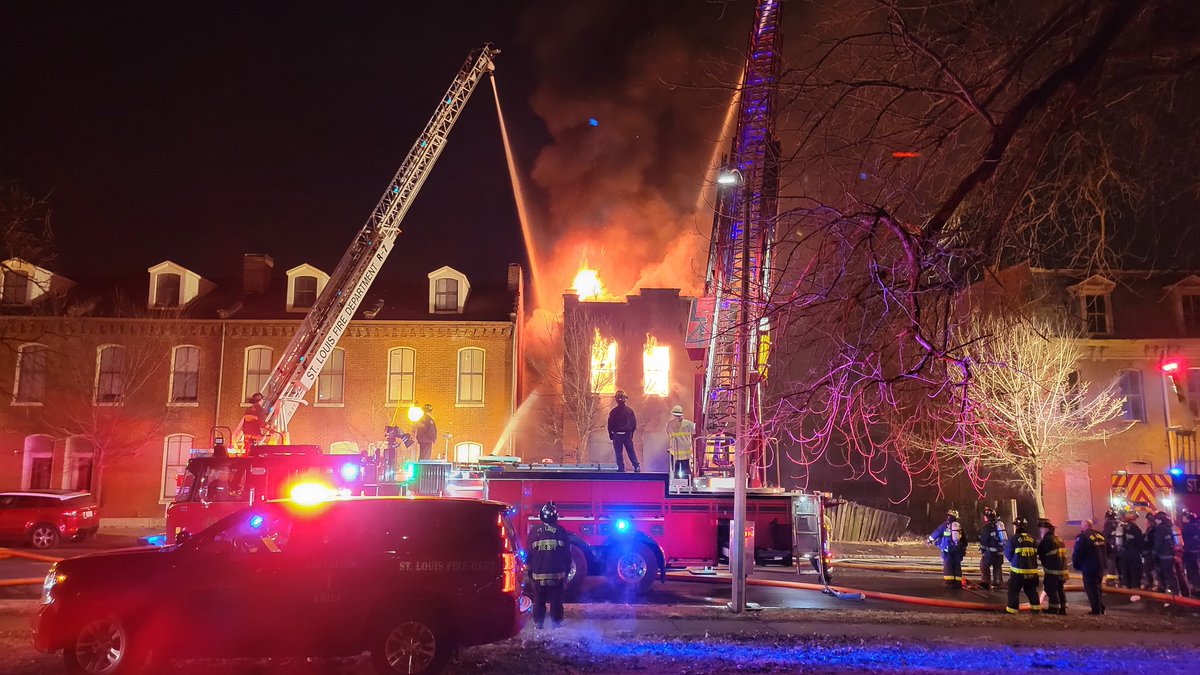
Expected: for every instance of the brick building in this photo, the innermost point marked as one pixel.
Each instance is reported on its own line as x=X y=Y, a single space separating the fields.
x=106 y=385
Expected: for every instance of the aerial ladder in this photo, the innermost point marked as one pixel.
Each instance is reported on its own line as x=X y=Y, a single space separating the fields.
x=740 y=248
x=331 y=314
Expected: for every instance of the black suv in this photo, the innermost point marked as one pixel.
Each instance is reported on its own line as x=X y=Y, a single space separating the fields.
x=407 y=579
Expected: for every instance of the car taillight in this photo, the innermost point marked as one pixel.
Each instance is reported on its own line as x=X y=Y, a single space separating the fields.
x=508 y=557
x=70 y=514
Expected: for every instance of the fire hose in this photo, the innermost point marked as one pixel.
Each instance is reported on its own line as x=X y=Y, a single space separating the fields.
x=13 y=553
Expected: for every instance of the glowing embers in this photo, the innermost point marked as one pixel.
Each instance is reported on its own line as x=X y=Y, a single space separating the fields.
x=656 y=367
x=587 y=285
x=604 y=365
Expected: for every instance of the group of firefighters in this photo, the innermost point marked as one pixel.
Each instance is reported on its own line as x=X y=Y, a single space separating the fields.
x=1122 y=553
x=622 y=422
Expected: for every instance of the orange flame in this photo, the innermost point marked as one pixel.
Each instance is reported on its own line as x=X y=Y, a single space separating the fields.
x=656 y=367
x=604 y=365
x=587 y=284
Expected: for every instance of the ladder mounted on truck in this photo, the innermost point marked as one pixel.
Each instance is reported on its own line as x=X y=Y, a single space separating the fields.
x=323 y=326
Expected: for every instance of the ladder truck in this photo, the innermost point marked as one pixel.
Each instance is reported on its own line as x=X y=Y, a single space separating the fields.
x=737 y=283
x=311 y=346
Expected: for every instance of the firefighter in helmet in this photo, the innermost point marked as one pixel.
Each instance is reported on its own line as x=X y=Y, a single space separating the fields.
x=680 y=433
x=1091 y=550
x=1023 y=568
x=254 y=421
x=1191 y=548
x=621 y=425
x=1128 y=541
x=1053 y=553
x=549 y=562
x=1111 y=520
x=949 y=539
x=992 y=540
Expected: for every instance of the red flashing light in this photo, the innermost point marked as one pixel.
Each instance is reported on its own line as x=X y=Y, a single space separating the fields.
x=901 y=154
x=1170 y=367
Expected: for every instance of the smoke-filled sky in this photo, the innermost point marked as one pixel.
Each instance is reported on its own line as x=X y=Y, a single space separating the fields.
x=200 y=132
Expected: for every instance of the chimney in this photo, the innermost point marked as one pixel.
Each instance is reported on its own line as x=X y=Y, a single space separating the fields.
x=256 y=273
x=514 y=278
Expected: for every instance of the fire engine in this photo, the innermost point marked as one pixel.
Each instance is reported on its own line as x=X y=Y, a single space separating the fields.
x=1171 y=492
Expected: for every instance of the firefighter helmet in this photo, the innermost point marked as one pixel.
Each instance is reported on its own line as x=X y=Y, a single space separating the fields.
x=989 y=513
x=620 y=396
x=1111 y=513
x=1187 y=515
x=1020 y=522
x=256 y=397
x=952 y=513
x=549 y=514
x=1045 y=522
x=677 y=411
x=1161 y=516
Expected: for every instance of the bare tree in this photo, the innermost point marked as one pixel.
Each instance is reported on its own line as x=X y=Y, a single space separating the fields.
x=925 y=144
x=570 y=407
x=1022 y=408
x=25 y=236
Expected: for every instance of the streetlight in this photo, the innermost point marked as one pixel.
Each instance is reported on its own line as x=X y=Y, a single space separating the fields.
x=737 y=532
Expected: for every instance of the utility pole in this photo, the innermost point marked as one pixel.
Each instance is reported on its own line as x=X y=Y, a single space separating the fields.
x=737 y=531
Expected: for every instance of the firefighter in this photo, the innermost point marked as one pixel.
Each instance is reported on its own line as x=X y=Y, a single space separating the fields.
x=1023 y=572
x=1129 y=544
x=1165 y=544
x=621 y=425
x=1090 y=553
x=426 y=432
x=680 y=433
x=549 y=562
x=254 y=421
x=1191 y=549
x=1110 y=563
x=992 y=541
x=949 y=539
x=1053 y=553
x=1149 y=562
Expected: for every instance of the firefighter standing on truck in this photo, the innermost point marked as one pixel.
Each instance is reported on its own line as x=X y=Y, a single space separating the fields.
x=549 y=562
x=680 y=433
x=425 y=431
x=621 y=425
x=949 y=538
x=1023 y=568
x=992 y=540
x=1053 y=553
x=253 y=421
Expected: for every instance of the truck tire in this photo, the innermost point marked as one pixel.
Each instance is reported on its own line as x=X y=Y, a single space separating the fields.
x=632 y=569
x=107 y=645
x=412 y=643
x=578 y=573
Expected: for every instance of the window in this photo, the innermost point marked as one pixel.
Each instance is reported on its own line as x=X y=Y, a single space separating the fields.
x=467 y=453
x=656 y=368
x=445 y=295
x=78 y=463
x=110 y=374
x=470 y=376
x=1193 y=391
x=1095 y=314
x=166 y=290
x=185 y=375
x=1190 y=305
x=258 y=370
x=38 y=462
x=1134 y=409
x=177 y=449
x=604 y=365
x=16 y=288
x=30 y=386
x=332 y=380
x=305 y=294
x=401 y=376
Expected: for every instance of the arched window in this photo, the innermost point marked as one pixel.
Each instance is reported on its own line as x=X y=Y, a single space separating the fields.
x=185 y=375
x=30 y=385
x=177 y=450
x=467 y=453
x=331 y=383
x=401 y=382
x=37 y=465
x=166 y=290
x=470 y=376
x=259 y=361
x=304 y=295
x=110 y=374
x=79 y=462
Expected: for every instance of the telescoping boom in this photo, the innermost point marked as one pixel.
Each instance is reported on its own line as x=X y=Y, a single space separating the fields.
x=325 y=323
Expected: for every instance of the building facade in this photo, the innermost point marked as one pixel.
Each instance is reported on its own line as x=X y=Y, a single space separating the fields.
x=111 y=396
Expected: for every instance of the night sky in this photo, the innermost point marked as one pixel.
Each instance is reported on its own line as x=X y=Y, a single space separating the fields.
x=201 y=131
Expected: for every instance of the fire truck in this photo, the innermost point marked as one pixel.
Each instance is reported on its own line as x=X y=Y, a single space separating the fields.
x=1171 y=492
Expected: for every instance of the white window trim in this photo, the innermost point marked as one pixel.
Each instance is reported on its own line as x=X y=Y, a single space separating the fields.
x=171 y=380
x=1141 y=379
x=189 y=285
x=1108 y=310
x=17 y=377
x=458 y=402
x=246 y=368
x=96 y=381
x=317 y=385
x=1192 y=292
x=462 y=443
x=1192 y=384
x=387 y=374
x=29 y=455
x=464 y=289
x=162 y=486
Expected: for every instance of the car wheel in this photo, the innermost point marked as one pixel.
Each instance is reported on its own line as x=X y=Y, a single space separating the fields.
x=412 y=645
x=43 y=536
x=633 y=569
x=105 y=646
x=577 y=574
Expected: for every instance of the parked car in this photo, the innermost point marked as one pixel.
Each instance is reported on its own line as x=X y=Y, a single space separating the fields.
x=42 y=518
x=407 y=579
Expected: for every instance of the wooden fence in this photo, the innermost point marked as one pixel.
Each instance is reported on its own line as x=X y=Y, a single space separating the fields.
x=855 y=522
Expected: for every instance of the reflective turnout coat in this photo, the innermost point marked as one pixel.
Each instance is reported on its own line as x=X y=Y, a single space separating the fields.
x=549 y=554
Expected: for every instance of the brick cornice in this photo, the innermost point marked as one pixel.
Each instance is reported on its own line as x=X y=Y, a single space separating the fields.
x=16 y=326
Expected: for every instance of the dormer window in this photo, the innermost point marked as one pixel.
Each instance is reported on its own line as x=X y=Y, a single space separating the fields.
x=23 y=283
x=1189 y=308
x=16 y=288
x=173 y=286
x=448 y=290
x=305 y=284
x=1094 y=297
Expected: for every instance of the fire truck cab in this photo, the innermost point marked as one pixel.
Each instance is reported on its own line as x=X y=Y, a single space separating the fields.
x=211 y=488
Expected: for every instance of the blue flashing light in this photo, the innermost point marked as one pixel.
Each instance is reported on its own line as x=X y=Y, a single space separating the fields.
x=864 y=175
x=155 y=540
x=350 y=471
x=449 y=100
x=396 y=190
x=256 y=521
x=1175 y=471
x=593 y=122
x=622 y=525
x=523 y=555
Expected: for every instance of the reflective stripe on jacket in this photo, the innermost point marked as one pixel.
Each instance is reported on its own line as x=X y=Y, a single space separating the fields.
x=1022 y=554
x=1053 y=553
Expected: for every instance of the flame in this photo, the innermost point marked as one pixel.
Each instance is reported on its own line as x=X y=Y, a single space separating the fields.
x=604 y=365
x=587 y=284
x=656 y=367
